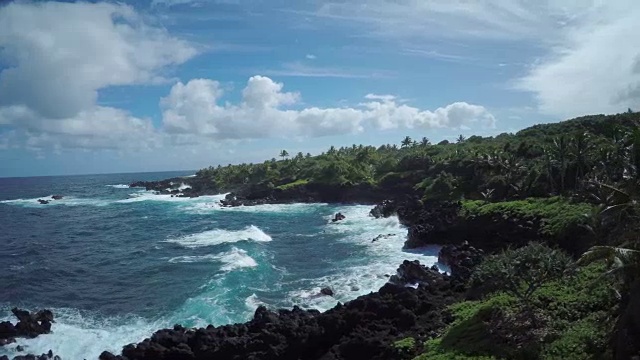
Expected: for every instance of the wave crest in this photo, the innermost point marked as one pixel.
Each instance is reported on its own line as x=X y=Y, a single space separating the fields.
x=231 y=260
x=119 y=186
x=219 y=236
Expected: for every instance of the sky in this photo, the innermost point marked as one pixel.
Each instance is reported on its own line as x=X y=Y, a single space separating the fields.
x=154 y=85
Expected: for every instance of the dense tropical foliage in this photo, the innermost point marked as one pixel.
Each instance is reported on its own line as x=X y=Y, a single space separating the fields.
x=582 y=174
x=550 y=159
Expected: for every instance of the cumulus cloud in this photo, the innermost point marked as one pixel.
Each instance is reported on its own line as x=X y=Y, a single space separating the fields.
x=59 y=55
x=589 y=50
x=595 y=68
x=267 y=111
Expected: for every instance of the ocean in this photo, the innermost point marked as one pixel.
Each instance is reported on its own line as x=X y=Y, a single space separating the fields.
x=116 y=263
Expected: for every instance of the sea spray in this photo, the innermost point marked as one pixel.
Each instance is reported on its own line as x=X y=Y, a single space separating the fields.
x=219 y=236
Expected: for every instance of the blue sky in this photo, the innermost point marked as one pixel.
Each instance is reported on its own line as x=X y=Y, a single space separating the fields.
x=98 y=87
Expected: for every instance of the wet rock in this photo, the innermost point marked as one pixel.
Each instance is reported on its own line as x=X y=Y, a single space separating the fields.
x=29 y=325
x=461 y=259
x=338 y=217
x=380 y=237
x=19 y=348
x=411 y=273
x=326 y=291
x=43 y=202
x=47 y=356
x=385 y=209
x=364 y=328
x=57 y=197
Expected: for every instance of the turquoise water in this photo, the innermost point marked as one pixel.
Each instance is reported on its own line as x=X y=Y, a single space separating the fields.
x=115 y=264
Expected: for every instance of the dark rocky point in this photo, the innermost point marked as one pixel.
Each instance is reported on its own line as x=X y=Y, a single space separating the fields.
x=364 y=328
x=326 y=291
x=29 y=325
x=381 y=236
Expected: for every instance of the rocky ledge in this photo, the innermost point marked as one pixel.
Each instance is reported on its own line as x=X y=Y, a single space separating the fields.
x=47 y=356
x=259 y=194
x=29 y=325
x=413 y=304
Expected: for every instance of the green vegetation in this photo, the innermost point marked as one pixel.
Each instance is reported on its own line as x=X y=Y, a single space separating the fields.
x=543 y=160
x=291 y=185
x=521 y=272
x=405 y=346
x=557 y=215
x=573 y=177
x=573 y=320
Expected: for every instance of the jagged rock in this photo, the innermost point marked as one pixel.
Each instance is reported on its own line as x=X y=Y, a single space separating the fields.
x=19 y=348
x=57 y=197
x=461 y=259
x=338 y=217
x=385 y=209
x=29 y=325
x=47 y=356
x=7 y=341
x=364 y=328
x=326 y=291
x=429 y=223
x=43 y=202
x=380 y=237
x=412 y=272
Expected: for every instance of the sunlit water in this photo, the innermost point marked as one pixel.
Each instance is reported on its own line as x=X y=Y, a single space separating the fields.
x=115 y=264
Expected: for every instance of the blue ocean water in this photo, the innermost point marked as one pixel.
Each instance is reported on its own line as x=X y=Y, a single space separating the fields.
x=117 y=263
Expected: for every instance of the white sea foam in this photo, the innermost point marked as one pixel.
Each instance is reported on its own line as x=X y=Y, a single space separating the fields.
x=78 y=336
x=150 y=196
x=236 y=259
x=252 y=302
x=214 y=206
x=219 y=236
x=120 y=186
x=66 y=201
x=385 y=255
x=184 y=186
x=231 y=260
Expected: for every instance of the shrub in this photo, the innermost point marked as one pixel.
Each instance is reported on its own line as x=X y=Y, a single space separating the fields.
x=557 y=215
x=521 y=272
x=291 y=185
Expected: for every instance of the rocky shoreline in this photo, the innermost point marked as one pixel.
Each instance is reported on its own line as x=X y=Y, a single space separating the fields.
x=412 y=304
x=251 y=195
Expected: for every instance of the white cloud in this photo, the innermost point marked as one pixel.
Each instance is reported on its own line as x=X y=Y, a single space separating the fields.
x=495 y=19
x=298 y=69
x=311 y=57
x=50 y=86
x=193 y=108
x=595 y=68
x=589 y=49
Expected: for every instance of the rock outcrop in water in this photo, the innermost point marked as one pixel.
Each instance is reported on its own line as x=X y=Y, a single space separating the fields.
x=47 y=356
x=29 y=325
x=364 y=328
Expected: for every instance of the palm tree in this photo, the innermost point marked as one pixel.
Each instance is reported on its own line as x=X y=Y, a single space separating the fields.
x=332 y=151
x=406 y=142
x=623 y=262
x=284 y=154
x=425 y=141
x=561 y=152
x=461 y=139
x=581 y=147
